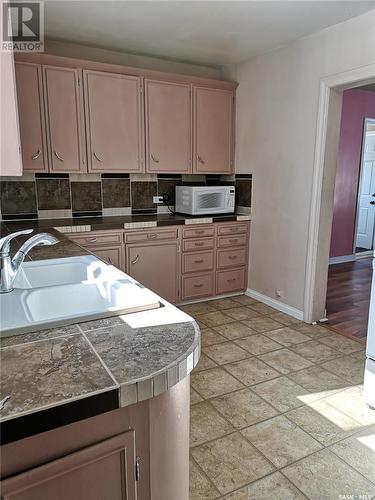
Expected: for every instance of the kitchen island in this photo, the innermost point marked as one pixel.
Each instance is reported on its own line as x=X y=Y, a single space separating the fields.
x=98 y=409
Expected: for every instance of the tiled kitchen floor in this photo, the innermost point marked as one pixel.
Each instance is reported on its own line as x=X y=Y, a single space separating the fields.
x=277 y=410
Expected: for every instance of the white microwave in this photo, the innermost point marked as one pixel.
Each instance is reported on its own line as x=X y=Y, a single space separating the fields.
x=205 y=200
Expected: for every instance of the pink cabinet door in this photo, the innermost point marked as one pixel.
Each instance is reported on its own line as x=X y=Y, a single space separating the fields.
x=112 y=255
x=103 y=470
x=64 y=111
x=113 y=122
x=155 y=265
x=31 y=116
x=213 y=130
x=168 y=127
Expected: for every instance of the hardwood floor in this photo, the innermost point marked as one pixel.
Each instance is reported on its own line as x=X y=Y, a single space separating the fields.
x=348 y=297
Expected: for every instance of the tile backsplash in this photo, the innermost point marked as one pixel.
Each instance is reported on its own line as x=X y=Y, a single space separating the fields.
x=67 y=195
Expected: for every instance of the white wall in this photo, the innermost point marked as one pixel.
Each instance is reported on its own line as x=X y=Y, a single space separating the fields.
x=79 y=51
x=277 y=103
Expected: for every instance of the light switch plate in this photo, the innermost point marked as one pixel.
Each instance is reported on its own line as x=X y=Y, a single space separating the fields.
x=157 y=199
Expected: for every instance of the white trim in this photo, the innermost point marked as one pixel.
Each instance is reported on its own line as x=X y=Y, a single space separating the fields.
x=352 y=78
x=342 y=258
x=276 y=304
x=364 y=255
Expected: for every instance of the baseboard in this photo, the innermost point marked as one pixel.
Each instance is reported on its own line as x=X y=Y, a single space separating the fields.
x=276 y=304
x=342 y=258
x=364 y=255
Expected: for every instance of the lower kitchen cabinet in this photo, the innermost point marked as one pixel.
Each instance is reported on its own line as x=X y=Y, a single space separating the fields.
x=103 y=470
x=112 y=255
x=155 y=265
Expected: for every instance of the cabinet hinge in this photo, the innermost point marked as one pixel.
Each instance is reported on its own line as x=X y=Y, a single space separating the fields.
x=137 y=468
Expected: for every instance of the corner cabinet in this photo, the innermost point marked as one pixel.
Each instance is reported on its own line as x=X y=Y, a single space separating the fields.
x=64 y=116
x=168 y=126
x=213 y=126
x=114 y=122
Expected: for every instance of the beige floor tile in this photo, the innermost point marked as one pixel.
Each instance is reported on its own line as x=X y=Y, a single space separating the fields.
x=214 y=318
x=210 y=337
x=214 y=382
x=234 y=330
x=231 y=462
x=350 y=401
x=228 y=303
x=324 y=476
x=204 y=363
x=315 y=352
x=258 y=344
x=323 y=422
x=206 y=424
x=251 y=371
x=263 y=308
x=285 y=319
x=359 y=452
x=241 y=313
x=313 y=331
x=200 y=324
x=282 y=393
x=198 y=308
x=225 y=353
x=316 y=379
x=285 y=361
x=243 y=408
x=194 y=397
x=281 y=441
x=272 y=487
x=244 y=300
x=361 y=355
x=263 y=324
x=200 y=486
x=341 y=343
x=287 y=337
x=348 y=368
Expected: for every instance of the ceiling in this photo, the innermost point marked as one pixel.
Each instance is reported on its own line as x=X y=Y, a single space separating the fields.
x=215 y=33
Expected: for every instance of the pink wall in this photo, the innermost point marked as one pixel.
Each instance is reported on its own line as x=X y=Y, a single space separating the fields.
x=356 y=106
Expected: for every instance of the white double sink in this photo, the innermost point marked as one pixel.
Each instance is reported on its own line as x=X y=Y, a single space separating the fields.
x=63 y=291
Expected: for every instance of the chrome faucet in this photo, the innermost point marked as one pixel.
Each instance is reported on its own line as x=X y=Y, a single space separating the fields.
x=9 y=267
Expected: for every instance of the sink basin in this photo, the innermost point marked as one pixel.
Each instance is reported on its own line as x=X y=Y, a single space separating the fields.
x=64 y=291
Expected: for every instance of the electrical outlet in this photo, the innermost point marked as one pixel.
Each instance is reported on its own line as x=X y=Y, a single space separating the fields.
x=157 y=199
x=278 y=293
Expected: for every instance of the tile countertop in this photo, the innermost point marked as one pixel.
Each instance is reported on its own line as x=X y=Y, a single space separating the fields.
x=58 y=376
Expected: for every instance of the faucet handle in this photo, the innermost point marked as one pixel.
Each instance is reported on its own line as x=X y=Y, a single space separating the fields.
x=5 y=241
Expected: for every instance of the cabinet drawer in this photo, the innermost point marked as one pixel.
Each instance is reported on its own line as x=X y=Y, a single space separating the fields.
x=198 y=232
x=230 y=281
x=232 y=257
x=193 y=262
x=137 y=236
x=95 y=239
x=239 y=227
x=196 y=286
x=204 y=244
x=231 y=241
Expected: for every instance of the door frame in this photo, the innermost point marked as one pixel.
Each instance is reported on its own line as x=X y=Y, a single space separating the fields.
x=365 y=122
x=323 y=183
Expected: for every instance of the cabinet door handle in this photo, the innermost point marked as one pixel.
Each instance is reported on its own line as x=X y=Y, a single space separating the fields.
x=198 y=261
x=58 y=156
x=153 y=158
x=36 y=156
x=198 y=285
x=97 y=157
x=135 y=260
x=199 y=158
x=109 y=260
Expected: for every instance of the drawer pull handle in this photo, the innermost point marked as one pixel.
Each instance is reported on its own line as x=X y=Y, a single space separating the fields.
x=233 y=229
x=91 y=240
x=199 y=231
x=233 y=240
x=200 y=244
x=97 y=157
x=58 y=156
x=198 y=261
x=232 y=257
x=135 y=260
x=152 y=236
x=198 y=285
x=36 y=156
x=231 y=280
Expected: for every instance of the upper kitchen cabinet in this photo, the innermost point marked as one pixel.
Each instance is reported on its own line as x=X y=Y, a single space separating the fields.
x=168 y=126
x=213 y=130
x=114 y=124
x=64 y=116
x=31 y=117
